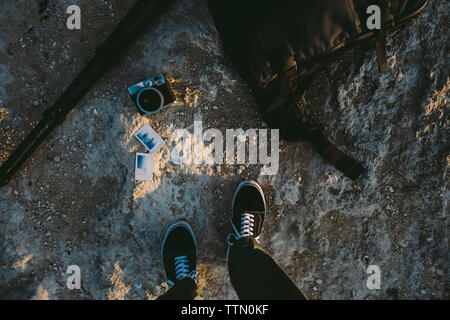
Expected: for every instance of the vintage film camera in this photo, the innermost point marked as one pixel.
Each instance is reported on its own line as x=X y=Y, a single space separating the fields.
x=152 y=95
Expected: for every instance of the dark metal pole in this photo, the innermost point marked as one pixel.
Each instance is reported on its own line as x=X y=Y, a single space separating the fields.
x=137 y=19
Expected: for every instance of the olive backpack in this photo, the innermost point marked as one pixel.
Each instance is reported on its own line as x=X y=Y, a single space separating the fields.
x=278 y=46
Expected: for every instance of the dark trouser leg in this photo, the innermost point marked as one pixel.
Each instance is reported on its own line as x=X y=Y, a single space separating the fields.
x=185 y=289
x=256 y=276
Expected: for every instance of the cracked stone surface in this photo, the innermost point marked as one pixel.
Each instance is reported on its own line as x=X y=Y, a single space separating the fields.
x=76 y=201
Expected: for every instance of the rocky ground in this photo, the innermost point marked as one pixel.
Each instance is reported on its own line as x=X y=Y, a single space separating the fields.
x=76 y=201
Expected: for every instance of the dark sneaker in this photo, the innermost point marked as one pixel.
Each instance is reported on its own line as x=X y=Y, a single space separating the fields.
x=248 y=211
x=179 y=253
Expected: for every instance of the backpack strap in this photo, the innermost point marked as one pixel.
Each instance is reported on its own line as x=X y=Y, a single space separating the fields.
x=393 y=15
x=285 y=64
x=349 y=166
x=293 y=85
x=356 y=19
x=380 y=42
x=290 y=71
x=284 y=114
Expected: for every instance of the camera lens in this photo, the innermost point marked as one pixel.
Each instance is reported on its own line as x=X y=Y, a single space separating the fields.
x=150 y=100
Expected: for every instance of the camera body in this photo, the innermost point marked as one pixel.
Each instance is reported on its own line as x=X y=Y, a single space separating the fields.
x=152 y=94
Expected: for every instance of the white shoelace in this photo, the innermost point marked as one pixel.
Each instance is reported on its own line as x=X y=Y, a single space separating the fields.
x=247 y=224
x=182 y=270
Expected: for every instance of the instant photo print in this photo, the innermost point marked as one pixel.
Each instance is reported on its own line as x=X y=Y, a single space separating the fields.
x=149 y=138
x=144 y=167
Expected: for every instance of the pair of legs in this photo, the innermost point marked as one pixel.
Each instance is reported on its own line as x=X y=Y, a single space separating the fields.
x=254 y=274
